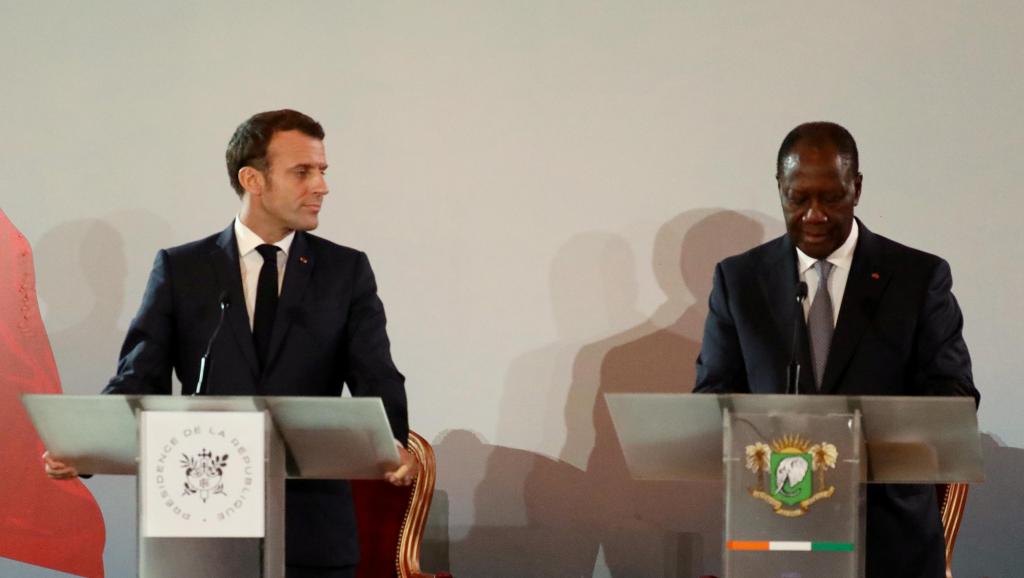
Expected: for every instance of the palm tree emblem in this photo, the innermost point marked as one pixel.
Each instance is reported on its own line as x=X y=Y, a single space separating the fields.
x=759 y=457
x=789 y=462
x=823 y=456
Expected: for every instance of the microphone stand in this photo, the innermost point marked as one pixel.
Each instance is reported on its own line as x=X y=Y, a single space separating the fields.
x=793 y=370
x=204 y=361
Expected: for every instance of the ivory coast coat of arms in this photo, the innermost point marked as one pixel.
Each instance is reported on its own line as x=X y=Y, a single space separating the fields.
x=790 y=464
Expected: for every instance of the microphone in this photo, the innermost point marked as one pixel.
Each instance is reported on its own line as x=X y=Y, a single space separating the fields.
x=793 y=371
x=204 y=361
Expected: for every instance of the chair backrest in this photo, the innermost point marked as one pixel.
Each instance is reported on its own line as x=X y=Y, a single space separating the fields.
x=391 y=519
x=952 y=499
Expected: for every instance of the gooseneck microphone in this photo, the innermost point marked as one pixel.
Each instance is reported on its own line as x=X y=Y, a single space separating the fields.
x=204 y=362
x=793 y=371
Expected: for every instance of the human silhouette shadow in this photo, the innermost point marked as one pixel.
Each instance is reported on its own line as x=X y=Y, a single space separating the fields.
x=990 y=538
x=519 y=513
x=528 y=517
x=571 y=508
x=83 y=272
x=82 y=268
x=593 y=287
x=658 y=357
x=82 y=278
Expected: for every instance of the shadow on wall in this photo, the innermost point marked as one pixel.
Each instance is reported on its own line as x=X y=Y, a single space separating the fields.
x=990 y=540
x=582 y=514
x=82 y=276
x=82 y=267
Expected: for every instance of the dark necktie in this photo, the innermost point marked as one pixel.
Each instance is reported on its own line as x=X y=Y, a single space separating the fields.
x=820 y=324
x=266 y=302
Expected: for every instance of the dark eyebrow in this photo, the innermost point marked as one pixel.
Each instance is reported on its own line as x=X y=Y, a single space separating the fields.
x=308 y=166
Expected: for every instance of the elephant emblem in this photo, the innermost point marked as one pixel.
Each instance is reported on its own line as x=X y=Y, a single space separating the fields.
x=789 y=473
x=789 y=463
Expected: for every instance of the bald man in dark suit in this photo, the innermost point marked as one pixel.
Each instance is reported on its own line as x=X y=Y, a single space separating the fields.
x=886 y=324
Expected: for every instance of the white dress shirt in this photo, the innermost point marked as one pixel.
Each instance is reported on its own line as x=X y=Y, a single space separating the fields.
x=251 y=262
x=841 y=259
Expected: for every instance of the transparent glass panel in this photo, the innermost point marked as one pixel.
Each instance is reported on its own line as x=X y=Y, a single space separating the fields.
x=793 y=495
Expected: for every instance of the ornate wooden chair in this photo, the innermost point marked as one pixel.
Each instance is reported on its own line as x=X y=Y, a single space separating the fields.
x=391 y=520
x=952 y=499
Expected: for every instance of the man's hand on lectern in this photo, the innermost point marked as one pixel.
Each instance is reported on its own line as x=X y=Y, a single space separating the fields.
x=406 y=471
x=58 y=470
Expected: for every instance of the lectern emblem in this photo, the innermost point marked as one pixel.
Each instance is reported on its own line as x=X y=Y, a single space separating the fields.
x=790 y=463
x=204 y=474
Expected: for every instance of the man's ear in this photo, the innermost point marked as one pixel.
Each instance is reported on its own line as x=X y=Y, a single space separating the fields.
x=857 y=185
x=251 y=180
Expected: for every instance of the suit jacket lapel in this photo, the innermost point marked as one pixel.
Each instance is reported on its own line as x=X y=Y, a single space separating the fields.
x=864 y=287
x=224 y=260
x=778 y=283
x=296 y=278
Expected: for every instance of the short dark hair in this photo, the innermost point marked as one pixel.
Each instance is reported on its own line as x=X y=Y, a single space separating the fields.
x=248 y=146
x=820 y=133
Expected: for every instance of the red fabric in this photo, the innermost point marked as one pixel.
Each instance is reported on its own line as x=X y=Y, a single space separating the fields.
x=380 y=510
x=55 y=524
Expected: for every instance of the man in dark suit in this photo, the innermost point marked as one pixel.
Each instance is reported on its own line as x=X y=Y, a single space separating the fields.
x=894 y=329
x=306 y=332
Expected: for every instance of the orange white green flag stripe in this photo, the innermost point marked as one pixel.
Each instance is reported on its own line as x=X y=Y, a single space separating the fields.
x=789 y=546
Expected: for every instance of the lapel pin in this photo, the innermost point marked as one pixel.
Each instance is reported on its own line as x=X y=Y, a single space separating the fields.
x=303 y=259
x=876 y=276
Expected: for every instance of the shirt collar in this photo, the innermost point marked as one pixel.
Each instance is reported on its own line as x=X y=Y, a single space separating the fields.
x=248 y=240
x=841 y=257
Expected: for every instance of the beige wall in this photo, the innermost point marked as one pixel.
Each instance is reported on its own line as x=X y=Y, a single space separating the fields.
x=543 y=189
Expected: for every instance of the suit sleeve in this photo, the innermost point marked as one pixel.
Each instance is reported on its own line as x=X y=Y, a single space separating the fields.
x=944 y=364
x=720 y=367
x=371 y=371
x=146 y=355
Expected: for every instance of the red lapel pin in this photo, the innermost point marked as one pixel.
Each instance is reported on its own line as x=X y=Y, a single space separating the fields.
x=876 y=276
x=305 y=260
